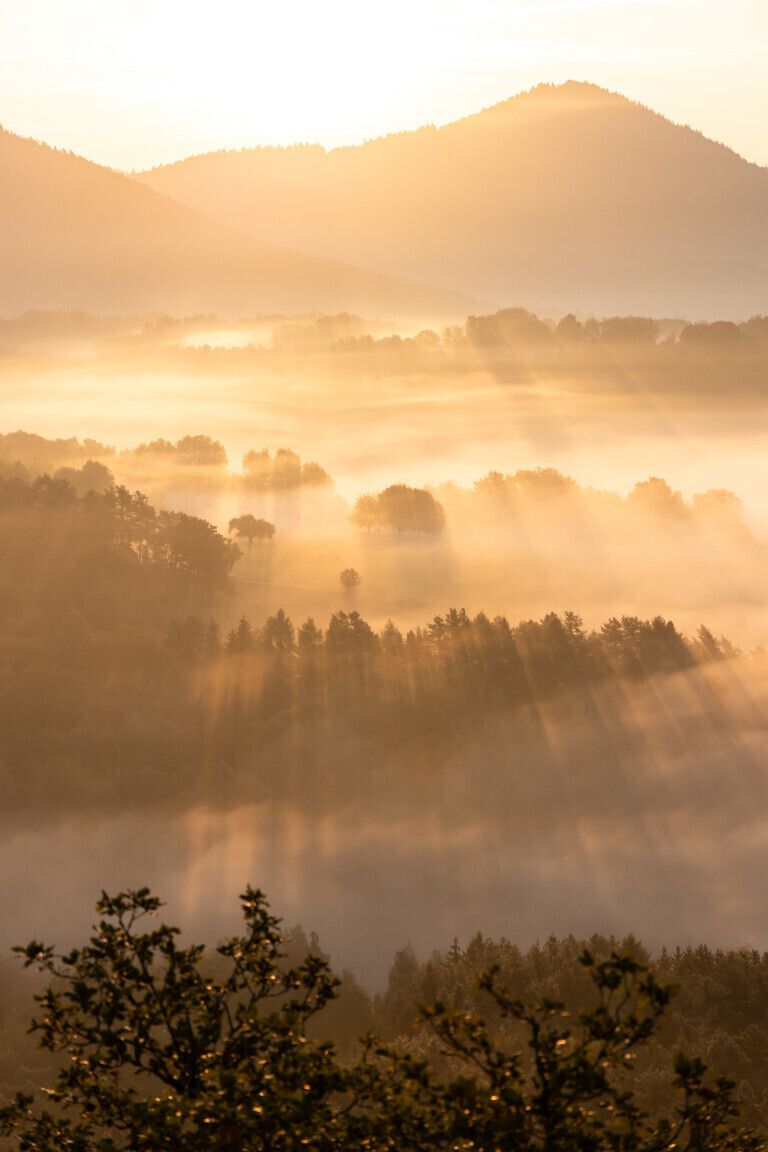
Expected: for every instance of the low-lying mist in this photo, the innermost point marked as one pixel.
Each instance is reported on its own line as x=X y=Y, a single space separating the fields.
x=605 y=405
x=406 y=795
x=628 y=808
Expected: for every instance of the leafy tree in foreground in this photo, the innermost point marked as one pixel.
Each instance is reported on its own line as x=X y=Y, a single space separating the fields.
x=163 y=1056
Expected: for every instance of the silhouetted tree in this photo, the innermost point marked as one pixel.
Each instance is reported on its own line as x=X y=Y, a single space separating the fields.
x=365 y=512
x=278 y=633
x=719 y=332
x=409 y=509
x=508 y=327
x=182 y=542
x=200 y=450
x=350 y=578
x=257 y=468
x=310 y=636
x=391 y=639
x=314 y=476
x=250 y=528
x=286 y=469
x=655 y=496
x=570 y=329
x=189 y=450
x=165 y=1055
x=240 y=639
x=348 y=632
x=92 y=477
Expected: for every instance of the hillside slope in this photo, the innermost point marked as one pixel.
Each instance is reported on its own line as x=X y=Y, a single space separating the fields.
x=74 y=235
x=565 y=196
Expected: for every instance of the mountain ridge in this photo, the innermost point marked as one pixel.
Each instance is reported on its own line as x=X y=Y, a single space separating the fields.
x=565 y=195
x=75 y=234
x=583 y=86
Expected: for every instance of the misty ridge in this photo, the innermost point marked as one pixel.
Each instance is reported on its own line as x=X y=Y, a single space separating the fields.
x=76 y=235
x=475 y=208
x=563 y=195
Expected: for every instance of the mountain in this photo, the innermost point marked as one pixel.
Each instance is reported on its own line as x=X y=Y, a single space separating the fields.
x=566 y=196
x=74 y=235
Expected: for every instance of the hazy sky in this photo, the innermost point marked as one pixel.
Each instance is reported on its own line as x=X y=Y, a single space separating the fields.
x=136 y=82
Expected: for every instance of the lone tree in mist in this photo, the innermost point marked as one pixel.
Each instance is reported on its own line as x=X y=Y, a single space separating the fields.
x=162 y=1055
x=247 y=527
x=350 y=578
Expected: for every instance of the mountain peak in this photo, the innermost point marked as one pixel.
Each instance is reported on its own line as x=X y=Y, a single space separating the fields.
x=563 y=197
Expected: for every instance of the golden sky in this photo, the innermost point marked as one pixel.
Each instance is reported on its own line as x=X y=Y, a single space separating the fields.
x=134 y=83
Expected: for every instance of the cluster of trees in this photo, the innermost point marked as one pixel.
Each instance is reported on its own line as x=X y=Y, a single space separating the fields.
x=509 y=327
x=535 y=483
x=615 y=353
x=721 y=1009
x=249 y=527
x=264 y=472
x=261 y=470
x=87 y=586
x=517 y=327
x=169 y=1049
x=346 y=331
x=326 y=330
x=401 y=508
x=92 y=476
x=193 y=451
x=533 y=488
x=27 y=455
x=60 y=549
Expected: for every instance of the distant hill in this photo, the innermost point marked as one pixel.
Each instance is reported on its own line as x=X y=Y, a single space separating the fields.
x=74 y=235
x=567 y=196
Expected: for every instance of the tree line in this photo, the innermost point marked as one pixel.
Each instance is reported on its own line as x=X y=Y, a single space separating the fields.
x=108 y=613
x=167 y=1047
x=26 y=455
x=614 y=353
x=114 y=519
x=513 y=663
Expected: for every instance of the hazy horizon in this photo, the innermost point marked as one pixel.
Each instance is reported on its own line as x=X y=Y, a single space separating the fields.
x=138 y=87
